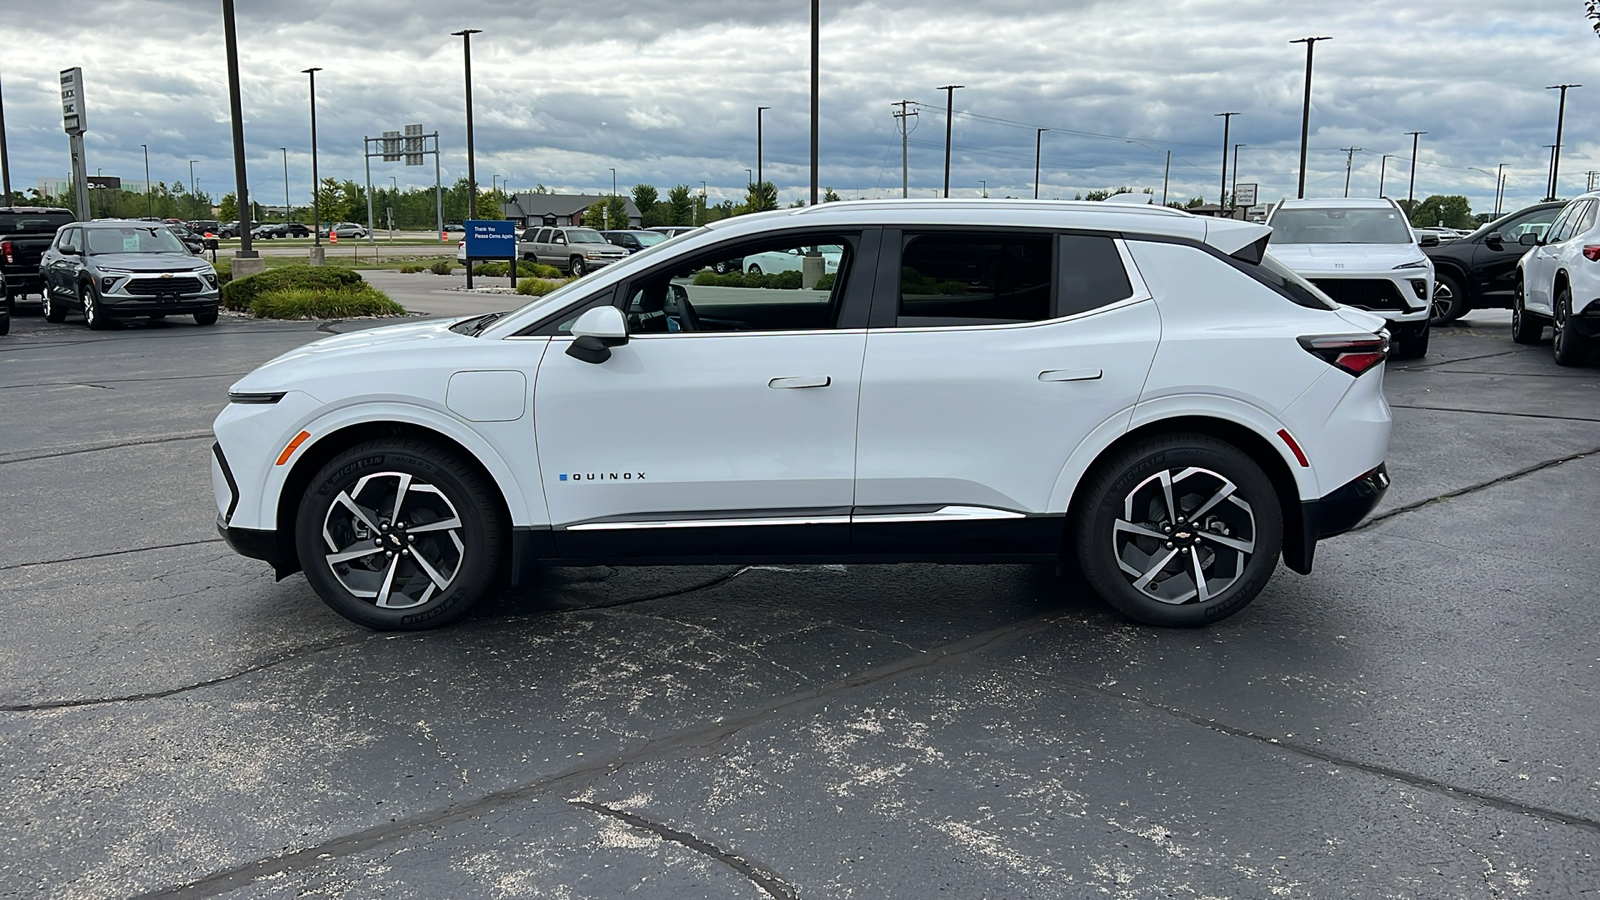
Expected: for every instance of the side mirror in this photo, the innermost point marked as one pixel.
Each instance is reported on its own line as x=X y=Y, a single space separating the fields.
x=1428 y=240
x=1529 y=239
x=596 y=332
x=1493 y=237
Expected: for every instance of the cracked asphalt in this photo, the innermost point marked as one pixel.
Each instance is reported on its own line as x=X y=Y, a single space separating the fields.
x=1417 y=718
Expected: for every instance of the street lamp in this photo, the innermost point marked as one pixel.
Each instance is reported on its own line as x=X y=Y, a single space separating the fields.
x=5 y=160
x=759 y=111
x=949 y=111
x=749 y=178
x=1411 y=190
x=1305 y=110
x=241 y=181
x=316 y=203
x=1038 y=142
x=1561 y=118
x=149 y=200
x=1383 y=168
x=613 y=181
x=286 y=203
x=985 y=188
x=192 y=191
x=1235 y=192
x=816 y=57
x=472 y=171
x=1227 y=119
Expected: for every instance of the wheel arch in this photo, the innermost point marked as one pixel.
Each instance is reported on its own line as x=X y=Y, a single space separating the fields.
x=1457 y=271
x=1297 y=549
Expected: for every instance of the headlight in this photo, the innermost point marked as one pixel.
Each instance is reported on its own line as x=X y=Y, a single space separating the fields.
x=1414 y=264
x=110 y=271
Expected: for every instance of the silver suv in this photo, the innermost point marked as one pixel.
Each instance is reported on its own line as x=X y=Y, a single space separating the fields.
x=574 y=251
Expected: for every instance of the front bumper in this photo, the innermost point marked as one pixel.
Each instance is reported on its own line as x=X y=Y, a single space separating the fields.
x=262 y=545
x=1335 y=514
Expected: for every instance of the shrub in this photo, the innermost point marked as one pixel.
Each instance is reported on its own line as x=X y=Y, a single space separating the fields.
x=240 y=294
x=786 y=281
x=411 y=269
x=442 y=267
x=538 y=270
x=825 y=283
x=536 y=287
x=311 y=303
x=494 y=269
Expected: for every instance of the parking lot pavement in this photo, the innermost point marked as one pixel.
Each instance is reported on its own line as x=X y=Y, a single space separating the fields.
x=1415 y=718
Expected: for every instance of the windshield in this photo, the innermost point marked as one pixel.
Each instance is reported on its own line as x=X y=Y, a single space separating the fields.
x=584 y=236
x=649 y=237
x=1339 y=226
x=134 y=239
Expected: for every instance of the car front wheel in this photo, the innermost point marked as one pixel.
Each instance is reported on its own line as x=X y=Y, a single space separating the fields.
x=93 y=315
x=577 y=267
x=1571 y=348
x=1449 y=300
x=1178 y=530
x=399 y=534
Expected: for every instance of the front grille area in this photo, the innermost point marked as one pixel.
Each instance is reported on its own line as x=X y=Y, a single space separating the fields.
x=156 y=287
x=1363 y=293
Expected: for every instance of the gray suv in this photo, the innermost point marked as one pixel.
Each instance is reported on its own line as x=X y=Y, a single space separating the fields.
x=112 y=270
x=572 y=250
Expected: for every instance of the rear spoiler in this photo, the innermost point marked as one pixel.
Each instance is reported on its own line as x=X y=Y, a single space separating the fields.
x=1244 y=241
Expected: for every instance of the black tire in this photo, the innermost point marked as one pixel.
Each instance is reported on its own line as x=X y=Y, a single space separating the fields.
x=93 y=315
x=51 y=309
x=720 y=268
x=1449 y=299
x=1250 y=515
x=577 y=267
x=209 y=317
x=1413 y=345
x=1571 y=347
x=1526 y=328
x=753 y=270
x=369 y=474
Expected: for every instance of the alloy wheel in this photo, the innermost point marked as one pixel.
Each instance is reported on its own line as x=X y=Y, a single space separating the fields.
x=1444 y=299
x=393 y=540
x=1185 y=535
x=1558 y=322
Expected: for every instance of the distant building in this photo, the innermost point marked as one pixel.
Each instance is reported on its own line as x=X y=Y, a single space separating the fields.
x=532 y=210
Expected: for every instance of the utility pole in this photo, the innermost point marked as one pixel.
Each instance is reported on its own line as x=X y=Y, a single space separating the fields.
x=472 y=165
x=287 y=205
x=1499 y=188
x=1166 y=176
x=5 y=160
x=905 y=135
x=949 y=112
x=316 y=205
x=1305 y=110
x=1234 y=193
x=1383 y=169
x=1349 y=163
x=1561 y=120
x=759 y=111
x=1412 y=188
x=1222 y=189
x=1038 y=144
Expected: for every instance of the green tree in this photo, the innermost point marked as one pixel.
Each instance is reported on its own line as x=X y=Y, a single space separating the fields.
x=682 y=205
x=646 y=198
x=228 y=208
x=331 y=201
x=760 y=197
x=828 y=196
x=1449 y=210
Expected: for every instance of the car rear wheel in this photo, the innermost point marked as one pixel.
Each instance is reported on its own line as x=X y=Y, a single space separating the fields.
x=93 y=315
x=399 y=535
x=1449 y=300
x=1178 y=530
x=754 y=269
x=52 y=310
x=1525 y=326
x=1571 y=348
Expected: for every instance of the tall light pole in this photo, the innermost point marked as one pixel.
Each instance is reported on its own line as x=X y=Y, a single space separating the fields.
x=192 y=191
x=949 y=112
x=1561 y=118
x=613 y=181
x=472 y=164
x=241 y=181
x=1038 y=144
x=5 y=160
x=1412 y=187
x=149 y=199
x=1222 y=190
x=1305 y=109
x=316 y=186
x=759 y=111
x=985 y=188
x=1383 y=168
x=816 y=58
x=1349 y=163
x=1234 y=193
x=1499 y=188
x=287 y=206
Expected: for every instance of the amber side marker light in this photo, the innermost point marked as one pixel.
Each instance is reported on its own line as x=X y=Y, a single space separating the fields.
x=293 y=446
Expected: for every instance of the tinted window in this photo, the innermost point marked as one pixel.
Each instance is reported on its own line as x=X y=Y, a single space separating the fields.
x=975 y=279
x=70 y=239
x=544 y=236
x=1512 y=228
x=33 y=223
x=1091 y=274
x=1586 y=222
x=1339 y=226
x=1560 y=224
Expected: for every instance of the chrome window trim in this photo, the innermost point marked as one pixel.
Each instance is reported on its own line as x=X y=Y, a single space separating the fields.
x=942 y=514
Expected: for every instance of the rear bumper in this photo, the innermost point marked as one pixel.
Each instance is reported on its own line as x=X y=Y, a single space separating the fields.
x=1335 y=514
x=24 y=282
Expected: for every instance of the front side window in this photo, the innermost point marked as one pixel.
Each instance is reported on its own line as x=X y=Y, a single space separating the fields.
x=1536 y=222
x=1339 y=226
x=975 y=279
x=791 y=284
x=70 y=240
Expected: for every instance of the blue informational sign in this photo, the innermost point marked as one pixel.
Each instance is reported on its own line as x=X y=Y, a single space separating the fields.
x=491 y=239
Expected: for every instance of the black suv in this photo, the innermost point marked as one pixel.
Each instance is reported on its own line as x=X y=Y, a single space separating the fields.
x=1479 y=271
x=116 y=269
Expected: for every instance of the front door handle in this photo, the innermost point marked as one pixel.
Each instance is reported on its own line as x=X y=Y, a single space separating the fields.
x=800 y=381
x=1070 y=375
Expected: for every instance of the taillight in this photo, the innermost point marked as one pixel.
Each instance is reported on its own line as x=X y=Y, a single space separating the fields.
x=1591 y=252
x=5 y=250
x=1352 y=353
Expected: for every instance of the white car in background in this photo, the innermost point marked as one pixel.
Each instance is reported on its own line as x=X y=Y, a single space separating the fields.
x=1559 y=283
x=1362 y=253
x=792 y=260
x=1143 y=390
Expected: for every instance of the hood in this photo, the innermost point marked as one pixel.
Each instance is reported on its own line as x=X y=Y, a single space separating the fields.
x=1351 y=257
x=302 y=362
x=150 y=262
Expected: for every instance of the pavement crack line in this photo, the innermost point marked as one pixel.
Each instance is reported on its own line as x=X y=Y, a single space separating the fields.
x=97 y=448
x=1494 y=412
x=1423 y=367
x=1432 y=785
x=88 y=556
x=1473 y=488
x=764 y=878
x=703 y=738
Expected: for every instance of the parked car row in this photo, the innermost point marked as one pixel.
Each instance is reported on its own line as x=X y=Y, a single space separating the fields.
x=1559 y=287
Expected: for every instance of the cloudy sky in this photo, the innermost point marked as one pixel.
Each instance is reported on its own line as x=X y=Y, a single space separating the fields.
x=666 y=91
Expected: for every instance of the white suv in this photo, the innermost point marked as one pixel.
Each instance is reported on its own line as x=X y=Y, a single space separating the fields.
x=1135 y=387
x=1362 y=253
x=1558 y=283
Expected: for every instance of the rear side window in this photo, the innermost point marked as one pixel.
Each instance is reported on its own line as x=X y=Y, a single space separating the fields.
x=1092 y=274
x=975 y=279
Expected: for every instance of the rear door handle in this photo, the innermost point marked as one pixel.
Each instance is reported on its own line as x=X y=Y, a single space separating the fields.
x=1070 y=375
x=800 y=381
